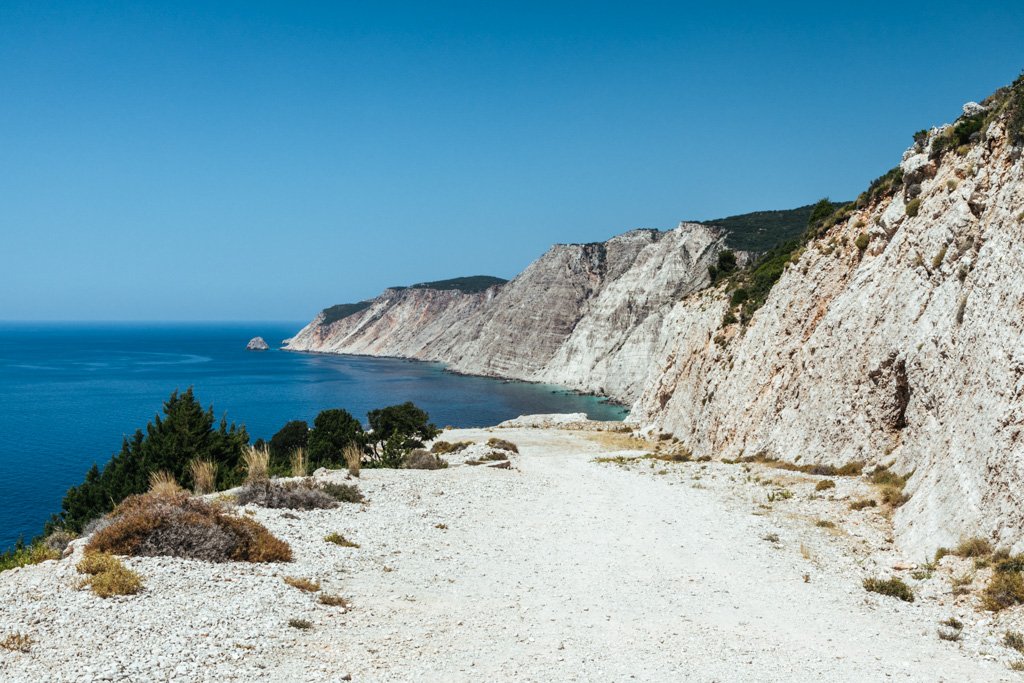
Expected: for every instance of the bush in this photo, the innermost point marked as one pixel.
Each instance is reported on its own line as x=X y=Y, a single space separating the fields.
x=862 y=241
x=333 y=430
x=502 y=444
x=185 y=433
x=301 y=624
x=913 y=207
x=1015 y=640
x=973 y=547
x=22 y=555
x=893 y=495
x=863 y=503
x=420 y=459
x=893 y=587
x=291 y=437
x=108 y=575
x=182 y=526
x=824 y=485
x=291 y=495
x=343 y=493
x=1004 y=589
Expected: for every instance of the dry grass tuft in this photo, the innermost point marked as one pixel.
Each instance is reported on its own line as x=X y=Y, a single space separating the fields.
x=204 y=476
x=298 y=462
x=302 y=584
x=824 y=485
x=893 y=587
x=615 y=441
x=825 y=524
x=183 y=526
x=163 y=483
x=17 y=642
x=863 y=503
x=257 y=463
x=338 y=539
x=333 y=600
x=108 y=576
x=301 y=624
x=353 y=456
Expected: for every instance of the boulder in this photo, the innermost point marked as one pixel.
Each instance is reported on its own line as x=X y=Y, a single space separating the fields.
x=256 y=344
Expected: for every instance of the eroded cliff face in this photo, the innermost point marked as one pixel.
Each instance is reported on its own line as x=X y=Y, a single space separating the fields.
x=587 y=316
x=909 y=353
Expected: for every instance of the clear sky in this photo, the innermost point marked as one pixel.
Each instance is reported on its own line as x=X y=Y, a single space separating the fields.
x=250 y=160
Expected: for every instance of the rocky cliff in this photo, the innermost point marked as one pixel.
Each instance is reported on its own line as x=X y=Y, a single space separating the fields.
x=587 y=316
x=893 y=335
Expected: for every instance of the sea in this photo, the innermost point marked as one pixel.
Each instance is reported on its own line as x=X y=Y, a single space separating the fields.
x=69 y=393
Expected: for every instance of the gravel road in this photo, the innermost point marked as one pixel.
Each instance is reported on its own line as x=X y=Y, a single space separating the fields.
x=557 y=569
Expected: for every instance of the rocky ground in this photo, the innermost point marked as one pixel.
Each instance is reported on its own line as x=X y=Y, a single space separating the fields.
x=559 y=568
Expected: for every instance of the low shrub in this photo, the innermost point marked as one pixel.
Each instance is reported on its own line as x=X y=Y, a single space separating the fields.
x=107 y=575
x=22 y=555
x=913 y=207
x=17 y=642
x=293 y=495
x=1004 y=589
x=333 y=600
x=862 y=241
x=304 y=585
x=893 y=495
x=824 y=485
x=973 y=547
x=343 y=493
x=863 y=503
x=1015 y=640
x=182 y=526
x=420 y=459
x=443 y=447
x=502 y=444
x=338 y=539
x=953 y=622
x=1010 y=563
x=893 y=587
x=825 y=524
x=301 y=624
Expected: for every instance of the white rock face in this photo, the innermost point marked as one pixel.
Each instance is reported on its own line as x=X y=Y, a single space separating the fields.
x=257 y=344
x=911 y=354
x=549 y=324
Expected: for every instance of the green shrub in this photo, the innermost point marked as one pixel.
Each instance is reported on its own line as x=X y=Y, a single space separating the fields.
x=973 y=547
x=338 y=539
x=862 y=241
x=343 y=493
x=913 y=206
x=108 y=576
x=333 y=430
x=1004 y=589
x=893 y=587
x=21 y=555
x=185 y=433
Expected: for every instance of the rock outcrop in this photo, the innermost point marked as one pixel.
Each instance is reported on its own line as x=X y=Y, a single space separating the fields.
x=893 y=337
x=257 y=344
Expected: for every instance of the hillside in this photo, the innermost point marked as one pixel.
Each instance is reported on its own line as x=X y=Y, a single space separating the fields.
x=761 y=230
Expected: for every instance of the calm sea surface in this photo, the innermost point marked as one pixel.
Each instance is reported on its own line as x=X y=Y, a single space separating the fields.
x=68 y=392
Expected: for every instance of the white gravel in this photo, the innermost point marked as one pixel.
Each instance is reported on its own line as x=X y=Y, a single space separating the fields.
x=557 y=569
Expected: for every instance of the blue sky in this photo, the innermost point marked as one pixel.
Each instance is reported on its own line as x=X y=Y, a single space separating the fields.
x=248 y=160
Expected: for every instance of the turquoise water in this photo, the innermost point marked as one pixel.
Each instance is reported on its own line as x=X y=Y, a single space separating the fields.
x=68 y=392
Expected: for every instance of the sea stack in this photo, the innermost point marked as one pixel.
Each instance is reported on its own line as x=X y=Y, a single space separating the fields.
x=256 y=344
